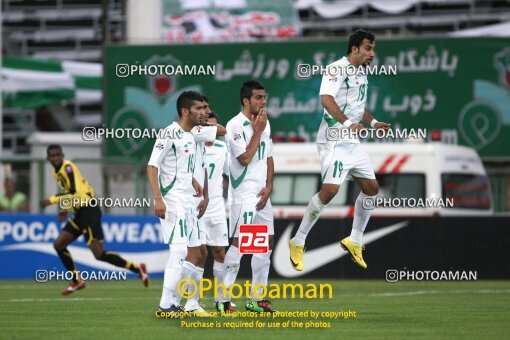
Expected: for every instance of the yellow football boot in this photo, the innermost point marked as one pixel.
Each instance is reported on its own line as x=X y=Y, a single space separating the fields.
x=355 y=251
x=296 y=256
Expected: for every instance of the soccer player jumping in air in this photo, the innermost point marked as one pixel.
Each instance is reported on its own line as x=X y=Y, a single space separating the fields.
x=86 y=220
x=343 y=96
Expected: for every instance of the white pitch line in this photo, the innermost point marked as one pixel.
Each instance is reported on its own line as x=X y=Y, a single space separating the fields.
x=57 y=299
x=437 y=292
x=69 y=299
x=410 y=293
x=16 y=286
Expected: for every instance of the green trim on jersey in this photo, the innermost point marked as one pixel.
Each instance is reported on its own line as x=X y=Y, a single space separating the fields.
x=330 y=120
x=324 y=176
x=235 y=225
x=183 y=228
x=162 y=189
x=218 y=145
x=346 y=81
x=235 y=182
x=165 y=190
x=172 y=235
x=246 y=123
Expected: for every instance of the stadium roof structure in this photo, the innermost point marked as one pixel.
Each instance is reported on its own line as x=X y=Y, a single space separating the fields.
x=399 y=17
x=341 y=8
x=497 y=30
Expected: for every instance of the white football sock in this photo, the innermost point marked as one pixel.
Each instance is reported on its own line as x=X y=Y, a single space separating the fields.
x=260 y=264
x=361 y=217
x=196 y=275
x=173 y=272
x=188 y=273
x=218 y=275
x=232 y=261
x=312 y=214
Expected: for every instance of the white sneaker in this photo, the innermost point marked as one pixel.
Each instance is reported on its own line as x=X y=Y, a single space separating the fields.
x=197 y=311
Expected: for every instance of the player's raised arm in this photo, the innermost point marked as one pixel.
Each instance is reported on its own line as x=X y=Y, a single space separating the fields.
x=221 y=130
x=204 y=133
x=259 y=124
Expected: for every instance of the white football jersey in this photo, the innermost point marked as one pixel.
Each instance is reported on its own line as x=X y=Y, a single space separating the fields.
x=247 y=181
x=175 y=160
x=202 y=134
x=217 y=165
x=350 y=92
x=200 y=164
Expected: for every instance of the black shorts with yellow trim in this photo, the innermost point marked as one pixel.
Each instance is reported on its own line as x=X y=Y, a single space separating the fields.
x=86 y=220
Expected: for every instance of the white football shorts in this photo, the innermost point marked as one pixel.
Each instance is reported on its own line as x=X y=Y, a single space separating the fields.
x=246 y=213
x=341 y=161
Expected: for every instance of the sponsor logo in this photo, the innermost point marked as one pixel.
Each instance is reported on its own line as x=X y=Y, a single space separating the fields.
x=253 y=239
x=237 y=136
x=317 y=258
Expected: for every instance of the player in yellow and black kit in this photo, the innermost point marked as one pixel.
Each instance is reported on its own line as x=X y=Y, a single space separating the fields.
x=86 y=219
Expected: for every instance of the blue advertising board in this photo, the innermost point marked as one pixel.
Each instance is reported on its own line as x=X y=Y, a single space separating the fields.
x=26 y=244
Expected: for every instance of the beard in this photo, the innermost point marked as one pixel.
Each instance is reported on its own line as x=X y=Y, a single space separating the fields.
x=368 y=62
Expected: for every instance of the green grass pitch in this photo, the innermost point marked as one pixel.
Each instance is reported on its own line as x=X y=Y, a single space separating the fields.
x=383 y=310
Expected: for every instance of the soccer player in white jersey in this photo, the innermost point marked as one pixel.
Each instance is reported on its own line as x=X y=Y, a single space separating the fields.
x=215 y=219
x=251 y=177
x=193 y=265
x=170 y=173
x=343 y=95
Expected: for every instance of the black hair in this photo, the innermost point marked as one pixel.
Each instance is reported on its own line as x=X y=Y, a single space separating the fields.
x=247 y=88
x=186 y=99
x=205 y=99
x=53 y=147
x=213 y=115
x=357 y=37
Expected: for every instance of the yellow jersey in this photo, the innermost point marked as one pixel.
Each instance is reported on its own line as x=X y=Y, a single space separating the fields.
x=72 y=185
